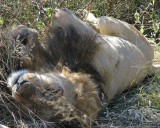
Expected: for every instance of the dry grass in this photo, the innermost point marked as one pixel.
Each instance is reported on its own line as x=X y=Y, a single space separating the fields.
x=139 y=107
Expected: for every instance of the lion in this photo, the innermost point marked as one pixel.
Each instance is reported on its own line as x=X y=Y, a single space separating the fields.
x=77 y=70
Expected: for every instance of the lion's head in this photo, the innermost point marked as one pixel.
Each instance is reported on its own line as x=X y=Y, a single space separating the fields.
x=52 y=96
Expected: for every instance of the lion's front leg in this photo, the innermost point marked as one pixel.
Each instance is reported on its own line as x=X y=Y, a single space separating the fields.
x=33 y=55
x=24 y=34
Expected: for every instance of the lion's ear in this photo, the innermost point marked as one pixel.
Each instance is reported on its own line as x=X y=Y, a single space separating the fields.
x=66 y=71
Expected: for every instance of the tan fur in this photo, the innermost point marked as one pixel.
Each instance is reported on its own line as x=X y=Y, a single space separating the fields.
x=110 y=26
x=137 y=44
x=110 y=63
x=88 y=101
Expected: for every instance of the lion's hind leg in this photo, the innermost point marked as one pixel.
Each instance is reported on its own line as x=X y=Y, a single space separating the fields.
x=106 y=25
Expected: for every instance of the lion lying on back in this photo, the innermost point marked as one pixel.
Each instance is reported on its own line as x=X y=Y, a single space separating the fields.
x=95 y=69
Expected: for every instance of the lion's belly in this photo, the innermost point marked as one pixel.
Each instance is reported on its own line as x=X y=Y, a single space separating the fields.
x=121 y=65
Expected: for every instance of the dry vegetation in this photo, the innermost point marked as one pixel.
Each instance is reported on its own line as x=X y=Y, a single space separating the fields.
x=139 y=107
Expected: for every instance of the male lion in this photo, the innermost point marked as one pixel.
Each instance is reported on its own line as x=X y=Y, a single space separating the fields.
x=95 y=68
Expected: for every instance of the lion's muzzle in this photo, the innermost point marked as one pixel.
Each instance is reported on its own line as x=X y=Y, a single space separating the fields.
x=20 y=85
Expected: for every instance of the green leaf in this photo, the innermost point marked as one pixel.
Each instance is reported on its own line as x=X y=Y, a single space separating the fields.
x=49 y=11
x=142 y=29
x=155 y=27
x=40 y=25
x=137 y=17
x=153 y=1
x=1 y=21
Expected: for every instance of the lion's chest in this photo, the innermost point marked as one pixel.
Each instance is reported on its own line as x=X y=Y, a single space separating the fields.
x=121 y=65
